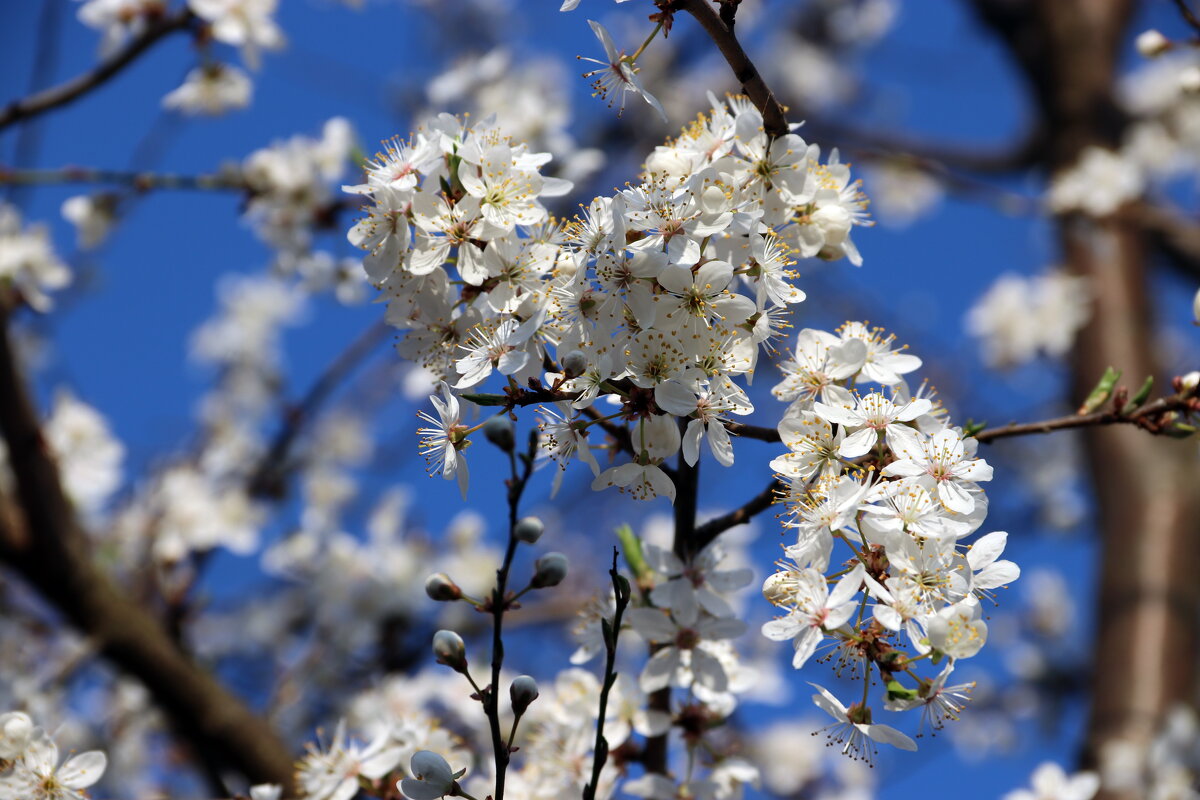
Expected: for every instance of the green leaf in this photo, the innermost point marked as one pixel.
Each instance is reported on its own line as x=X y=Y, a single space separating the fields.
x=1140 y=397
x=1102 y=392
x=631 y=546
x=486 y=399
x=972 y=428
x=898 y=691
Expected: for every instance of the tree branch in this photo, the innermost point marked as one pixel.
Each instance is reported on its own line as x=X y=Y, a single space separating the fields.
x=1175 y=236
x=758 y=432
x=1188 y=15
x=64 y=93
x=774 y=119
x=136 y=180
x=710 y=530
x=45 y=544
x=269 y=476
x=1156 y=418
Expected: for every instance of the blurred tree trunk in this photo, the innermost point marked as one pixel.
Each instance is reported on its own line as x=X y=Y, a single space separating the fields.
x=1147 y=488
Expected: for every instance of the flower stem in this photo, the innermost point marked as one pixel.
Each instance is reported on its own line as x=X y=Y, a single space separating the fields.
x=637 y=54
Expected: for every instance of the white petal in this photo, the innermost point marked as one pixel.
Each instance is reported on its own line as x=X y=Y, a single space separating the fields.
x=83 y=770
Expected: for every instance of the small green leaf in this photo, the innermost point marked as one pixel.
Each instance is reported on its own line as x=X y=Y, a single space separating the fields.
x=1102 y=392
x=898 y=691
x=1180 y=430
x=1142 y=395
x=631 y=546
x=486 y=399
x=972 y=428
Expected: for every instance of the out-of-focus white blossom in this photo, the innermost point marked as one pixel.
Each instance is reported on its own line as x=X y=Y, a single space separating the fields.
x=1019 y=318
x=89 y=456
x=247 y=24
x=117 y=20
x=93 y=217
x=28 y=262
x=211 y=90
x=1050 y=782
x=1098 y=184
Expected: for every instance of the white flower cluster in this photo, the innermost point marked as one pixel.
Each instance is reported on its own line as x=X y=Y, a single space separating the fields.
x=117 y=20
x=211 y=89
x=657 y=298
x=29 y=768
x=290 y=186
x=1019 y=317
x=879 y=469
x=28 y=263
x=214 y=87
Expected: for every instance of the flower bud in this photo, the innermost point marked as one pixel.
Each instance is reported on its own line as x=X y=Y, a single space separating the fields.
x=1190 y=381
x=449 y=649
x=528 y=530
x=441 y=588
x=574 y=364
x=499 y=431
x=522 y=692
x=429 y=776
x=1151 y=43
x=549 y=570
x=16 y=732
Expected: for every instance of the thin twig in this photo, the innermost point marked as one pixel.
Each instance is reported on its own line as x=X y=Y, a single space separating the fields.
x=1186 y=12
x=621 y=591
x=1155 y=418
x=267 y=478
x=64 y=93
x=45 y=62
x=499 y=604
x=137 y=180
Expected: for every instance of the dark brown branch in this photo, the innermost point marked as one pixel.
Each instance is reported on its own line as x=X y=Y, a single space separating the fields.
x=1155 y=418
x=762 y=501
x=64 y=93
x=774 y=118
x=270 y=475
x=753 y=432
x=500 y=602
x=43 y=542
x=1188 y=15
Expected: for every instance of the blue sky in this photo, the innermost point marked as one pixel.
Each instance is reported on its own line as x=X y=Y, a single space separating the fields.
x=122 y=344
